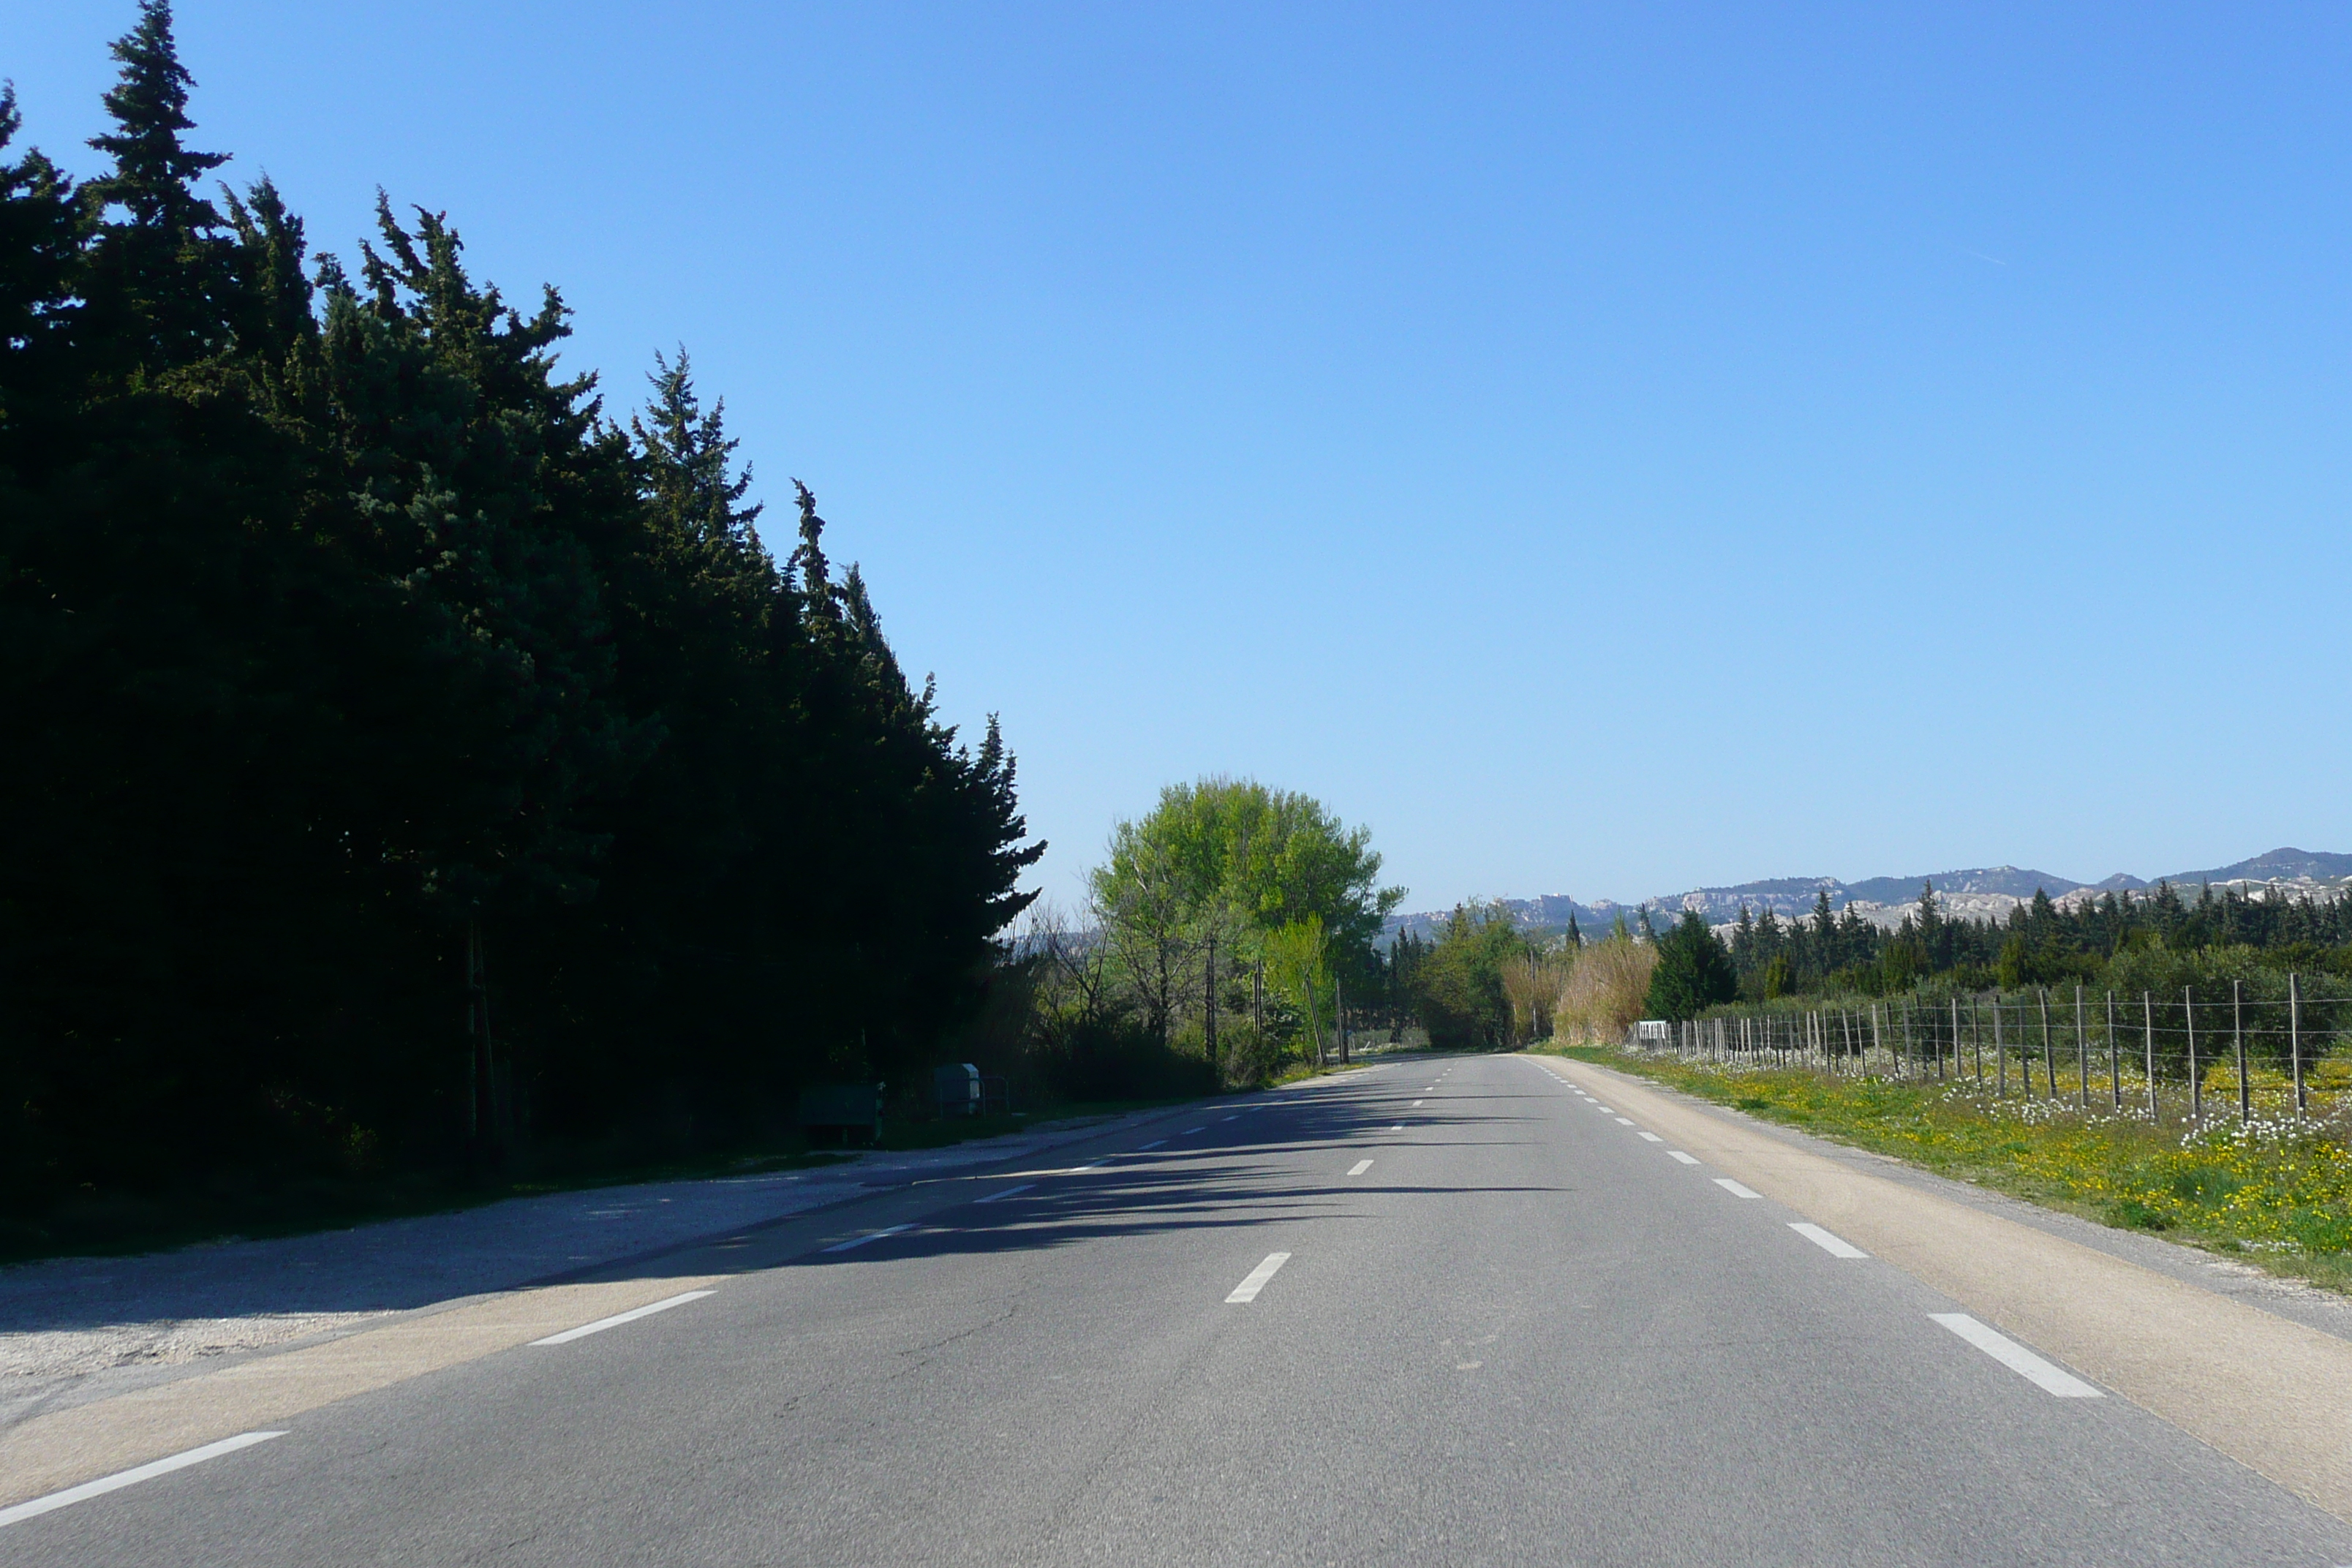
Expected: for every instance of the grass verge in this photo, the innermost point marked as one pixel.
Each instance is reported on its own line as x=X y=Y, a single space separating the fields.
x=2276 y=1194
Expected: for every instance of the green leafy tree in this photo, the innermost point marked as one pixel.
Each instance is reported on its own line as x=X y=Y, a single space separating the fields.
x=1459 y=991
x=1298 y=957
x=1223 y=864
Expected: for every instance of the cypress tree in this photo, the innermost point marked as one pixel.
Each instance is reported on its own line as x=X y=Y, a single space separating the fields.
x=158 y=279
x=1693 y=972
x=340 y=634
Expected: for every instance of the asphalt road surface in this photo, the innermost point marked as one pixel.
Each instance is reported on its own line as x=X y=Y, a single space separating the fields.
x=1433 y=1312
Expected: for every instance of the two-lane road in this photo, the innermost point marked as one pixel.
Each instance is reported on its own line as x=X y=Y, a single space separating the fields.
x=1436 y=1310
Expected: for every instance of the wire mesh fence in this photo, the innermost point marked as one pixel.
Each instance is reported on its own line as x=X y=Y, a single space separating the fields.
x=2200 y=1054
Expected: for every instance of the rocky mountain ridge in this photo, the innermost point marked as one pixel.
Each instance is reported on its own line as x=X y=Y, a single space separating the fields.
x=1975 y=893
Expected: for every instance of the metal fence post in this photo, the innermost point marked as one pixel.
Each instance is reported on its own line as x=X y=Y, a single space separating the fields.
x=1976 y=1040
x=2147 y=1026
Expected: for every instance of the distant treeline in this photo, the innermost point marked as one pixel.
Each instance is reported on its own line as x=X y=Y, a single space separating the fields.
x=1488 y=980
x=404 y=756
x=2039 y=945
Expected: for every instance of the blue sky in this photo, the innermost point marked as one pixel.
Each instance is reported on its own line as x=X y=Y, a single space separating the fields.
x=1601 y=449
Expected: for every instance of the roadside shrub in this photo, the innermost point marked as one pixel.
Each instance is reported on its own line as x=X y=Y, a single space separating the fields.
x=1117 y=1060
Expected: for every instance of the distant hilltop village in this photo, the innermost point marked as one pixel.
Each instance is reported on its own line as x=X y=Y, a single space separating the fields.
x=1986 y=891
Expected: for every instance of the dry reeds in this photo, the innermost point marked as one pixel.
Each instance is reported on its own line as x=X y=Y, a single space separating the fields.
x=1532 y=985
x=1607 y=989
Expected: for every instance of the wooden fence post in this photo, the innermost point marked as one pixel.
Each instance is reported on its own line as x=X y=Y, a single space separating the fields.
x=2081 y=1052
x=2049 y=1054
x=2188 y=1022
x=2294 y=1034
x=2238 y=1034
x=2114 y=1063
x=2000 y=1051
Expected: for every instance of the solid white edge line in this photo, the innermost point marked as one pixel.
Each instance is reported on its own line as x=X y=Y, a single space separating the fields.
x=1735 y=1189
x=1647 y=1136
x=1009 y=1192
x=1835 y=1245
x=631 y=1315
x=2016 y=1358
x=1685 y=1159
x=131 y=1477
x=870 y=1235
x=1248 y=1289
x=1359 y=1167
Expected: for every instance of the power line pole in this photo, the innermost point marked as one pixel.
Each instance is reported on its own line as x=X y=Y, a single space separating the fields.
x=1340 y=1017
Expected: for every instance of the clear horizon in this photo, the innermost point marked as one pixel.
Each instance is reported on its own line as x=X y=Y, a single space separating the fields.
x=1597 y=451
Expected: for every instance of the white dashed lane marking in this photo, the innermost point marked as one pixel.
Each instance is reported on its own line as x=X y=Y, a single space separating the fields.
x=1735 y=1189
x=131 y=1477
x=1255 y=1280
x=1685 y=1159
x=1835 y=1245
x=648 y=1310
x=2016 y=1358
x=1007 y=1192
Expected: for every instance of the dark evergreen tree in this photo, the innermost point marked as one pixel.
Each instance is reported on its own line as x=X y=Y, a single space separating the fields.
x=1693 y=972
x=345 y=644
